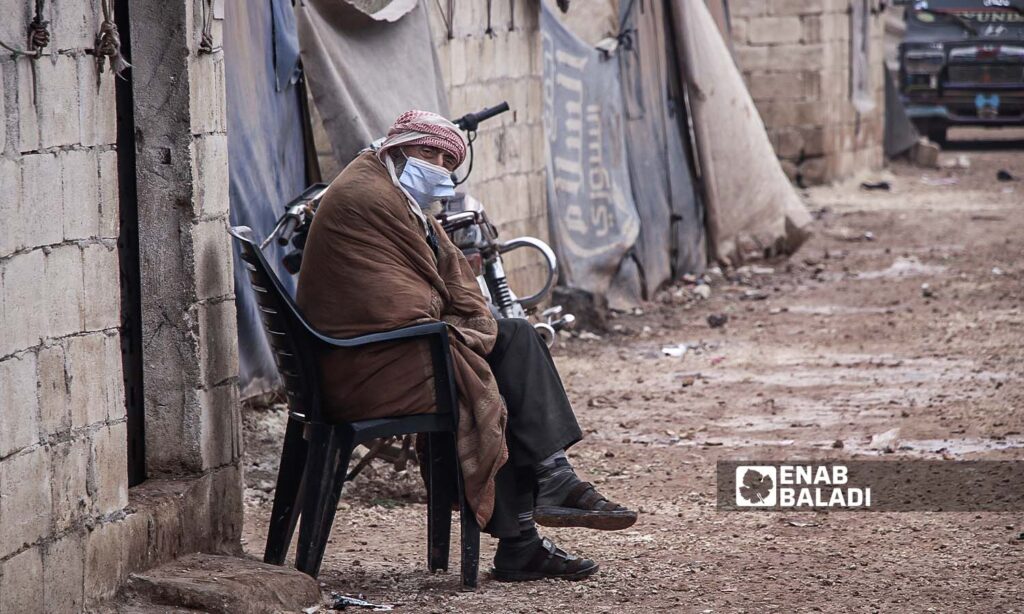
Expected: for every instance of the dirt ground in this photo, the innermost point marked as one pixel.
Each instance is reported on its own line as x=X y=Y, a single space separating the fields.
x=839 y=343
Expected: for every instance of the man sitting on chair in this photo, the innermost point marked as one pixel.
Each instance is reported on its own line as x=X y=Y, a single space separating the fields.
x=375 y=261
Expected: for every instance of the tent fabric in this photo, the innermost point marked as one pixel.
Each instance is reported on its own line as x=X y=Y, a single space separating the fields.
x=266 y=164
x=593 y=219
x=752 y=209
x=671 y=240
x=900 y=133
x=364 y=73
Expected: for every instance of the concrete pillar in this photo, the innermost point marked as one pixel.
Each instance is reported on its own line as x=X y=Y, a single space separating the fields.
x=189 y=345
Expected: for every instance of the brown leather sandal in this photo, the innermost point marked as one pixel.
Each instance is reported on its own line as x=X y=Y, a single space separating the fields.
x=585 y=507
x=549 y=562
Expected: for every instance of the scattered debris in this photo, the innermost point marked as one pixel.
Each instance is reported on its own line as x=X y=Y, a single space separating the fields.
x=939 y=181
x=926 y=291
x=675 y=351
x=586 y=335
x=717 y=320
x=1004 y=175
x=341 y=602
x=844 y=233
x=793 y=522
x=876 y=185
x=703 y=291
x=753 y=295
x=886 y=442
x=838 y=444
x=959 y=162
x=689 y=379
x=997 y=271
x=925 y=153
x=904 y=267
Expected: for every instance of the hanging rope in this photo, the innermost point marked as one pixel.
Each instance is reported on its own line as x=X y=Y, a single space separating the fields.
x=108 y=43
x=38 y=32
x=206 y=39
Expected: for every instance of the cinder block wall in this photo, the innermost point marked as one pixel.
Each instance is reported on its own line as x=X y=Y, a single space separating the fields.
x=63 y=437
x=795 y=58
x=482 y=69
x=70 y=531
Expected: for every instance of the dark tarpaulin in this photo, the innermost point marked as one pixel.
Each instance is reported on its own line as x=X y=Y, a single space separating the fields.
x=591 y=213
x=364 y=73
x=265 y=155
x=900 y=133
x=671 y=240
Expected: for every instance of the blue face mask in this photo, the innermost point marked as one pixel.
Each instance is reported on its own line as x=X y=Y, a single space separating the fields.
x=426 y=182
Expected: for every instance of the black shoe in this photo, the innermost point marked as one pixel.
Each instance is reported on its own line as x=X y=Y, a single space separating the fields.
x=549 y=561
x=584 y=507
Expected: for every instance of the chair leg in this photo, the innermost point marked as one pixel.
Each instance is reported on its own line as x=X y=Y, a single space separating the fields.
x=285 y=513
x=440 y=495
x=470 y=537
x=330 y=450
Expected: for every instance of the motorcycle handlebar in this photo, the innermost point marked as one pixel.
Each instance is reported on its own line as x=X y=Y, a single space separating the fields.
x=470 y=121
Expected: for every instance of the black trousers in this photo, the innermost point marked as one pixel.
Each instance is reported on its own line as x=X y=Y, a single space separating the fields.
x=540 y=419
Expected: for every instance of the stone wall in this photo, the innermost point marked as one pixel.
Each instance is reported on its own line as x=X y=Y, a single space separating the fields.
x=70 y=529
x=795 y=57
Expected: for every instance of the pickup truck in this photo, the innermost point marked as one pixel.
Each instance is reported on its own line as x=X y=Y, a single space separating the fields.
x=962 y=64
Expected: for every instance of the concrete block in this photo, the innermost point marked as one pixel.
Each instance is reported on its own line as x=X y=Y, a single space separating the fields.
x=10 y=204
x=796 y=57
x=19 y=406
x=104 y=569
x=784 y=86
x=814 y=171
x=811 y=30
x=746 y=8
x=14 y=25
x=218 y=342
x=101 y=306
x=24 y=499
x=28 y=114
x=740 y=29
x=788 y=143
x=116 y=408
x=42 y=200
x=64 y=574
x=211 y=245
x=206 y=103
x=97 y=111
x=81 y=207
x=217 y=583
x=108 y=468
x=793 y=7
x=456 y=48
x=221 y=441
x=210 y=171
x=24 y=320
x=774 y=30
x=72 y=26
x=21 y=585
x=69 y=483
x=52 y=378
x=58 y=102
x=3 y=113
x=109 y=200
x=226 y=515
x=88 y=379
x=62 y=296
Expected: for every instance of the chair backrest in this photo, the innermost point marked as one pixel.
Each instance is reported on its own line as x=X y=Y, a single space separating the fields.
x=287 y=331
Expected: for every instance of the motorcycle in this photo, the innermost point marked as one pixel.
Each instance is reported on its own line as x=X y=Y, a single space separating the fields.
x=465 y=221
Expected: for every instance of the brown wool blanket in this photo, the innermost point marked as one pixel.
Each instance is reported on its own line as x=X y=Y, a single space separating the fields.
x=367 y=267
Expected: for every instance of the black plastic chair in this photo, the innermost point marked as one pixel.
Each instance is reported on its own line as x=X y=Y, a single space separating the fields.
x=316 y=454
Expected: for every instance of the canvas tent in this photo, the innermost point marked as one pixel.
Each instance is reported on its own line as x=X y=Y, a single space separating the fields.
x=752 y=209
